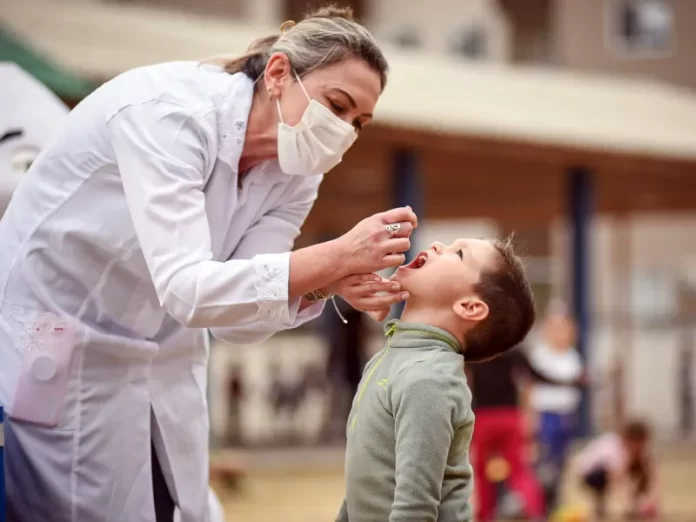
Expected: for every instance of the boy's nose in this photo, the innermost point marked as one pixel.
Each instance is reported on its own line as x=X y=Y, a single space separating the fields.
x=438 y=247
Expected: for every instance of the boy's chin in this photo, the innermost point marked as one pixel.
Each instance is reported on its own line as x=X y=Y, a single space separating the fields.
x=408 y=281
x=403 y=277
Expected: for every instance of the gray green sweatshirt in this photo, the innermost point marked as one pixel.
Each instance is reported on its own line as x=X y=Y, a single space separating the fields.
x=407 y=456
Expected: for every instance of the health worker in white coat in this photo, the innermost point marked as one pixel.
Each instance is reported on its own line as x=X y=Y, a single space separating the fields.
x=168 y=205
x=30 y=115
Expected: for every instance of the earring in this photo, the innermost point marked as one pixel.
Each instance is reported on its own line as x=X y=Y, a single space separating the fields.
x=270 y=94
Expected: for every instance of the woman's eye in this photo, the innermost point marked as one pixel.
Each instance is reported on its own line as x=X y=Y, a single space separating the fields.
x=338 y=109
x=460 y=253
x=358 y=126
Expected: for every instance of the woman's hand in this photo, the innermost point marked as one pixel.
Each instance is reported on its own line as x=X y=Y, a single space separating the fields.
x=361 y=292
x=370 y=246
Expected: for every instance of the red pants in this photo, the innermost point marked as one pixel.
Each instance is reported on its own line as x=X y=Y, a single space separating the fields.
x=499 y=431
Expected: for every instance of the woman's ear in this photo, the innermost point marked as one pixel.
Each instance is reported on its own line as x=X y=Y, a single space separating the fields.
x=471 y=309
x=277 y=72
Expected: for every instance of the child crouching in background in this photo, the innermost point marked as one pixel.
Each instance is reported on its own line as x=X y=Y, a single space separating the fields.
x=618 y=461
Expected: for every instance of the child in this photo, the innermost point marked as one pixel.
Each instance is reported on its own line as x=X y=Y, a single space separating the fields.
x=410 y=427
x=556 y=404
x=616 y=459
x=501 y=430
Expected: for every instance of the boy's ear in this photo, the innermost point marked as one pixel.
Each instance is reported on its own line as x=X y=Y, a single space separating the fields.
x=471 y=309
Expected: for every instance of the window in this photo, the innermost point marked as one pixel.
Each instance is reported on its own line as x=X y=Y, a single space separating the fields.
x=406 y=38
x=469 y=42
x=641 y=27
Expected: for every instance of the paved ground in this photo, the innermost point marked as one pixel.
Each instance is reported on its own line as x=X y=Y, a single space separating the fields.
x=307 y=486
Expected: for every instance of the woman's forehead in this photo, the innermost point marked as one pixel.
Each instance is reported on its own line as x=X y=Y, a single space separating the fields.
x=353 y=76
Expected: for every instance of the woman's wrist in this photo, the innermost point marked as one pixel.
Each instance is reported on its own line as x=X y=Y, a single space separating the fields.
x=341 y=257
x=318 y=267
x=317 y=295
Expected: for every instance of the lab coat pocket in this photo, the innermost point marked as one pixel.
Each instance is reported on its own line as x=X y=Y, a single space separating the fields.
x=48 y=343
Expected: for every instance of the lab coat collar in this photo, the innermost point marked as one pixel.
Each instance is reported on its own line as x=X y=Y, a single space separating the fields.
x=234 y=118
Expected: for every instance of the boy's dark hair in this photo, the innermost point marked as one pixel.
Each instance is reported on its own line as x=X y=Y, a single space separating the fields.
x=636 y=431
x=511 y=311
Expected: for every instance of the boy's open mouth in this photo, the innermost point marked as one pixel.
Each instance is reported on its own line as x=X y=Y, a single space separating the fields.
x=418 y=262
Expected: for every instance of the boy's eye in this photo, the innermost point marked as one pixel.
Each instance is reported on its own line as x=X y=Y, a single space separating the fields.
x=460 y=253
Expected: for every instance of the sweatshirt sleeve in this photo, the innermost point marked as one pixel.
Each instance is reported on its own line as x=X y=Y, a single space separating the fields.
x=424 y=406
x=342 y=513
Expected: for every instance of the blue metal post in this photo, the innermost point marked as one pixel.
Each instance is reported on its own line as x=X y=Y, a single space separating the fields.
x=408 y=190
x=581 y=198
x=2 y=465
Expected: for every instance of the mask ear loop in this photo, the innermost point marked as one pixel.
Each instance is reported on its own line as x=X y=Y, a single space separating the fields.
x=302 y=85
x=280 y=114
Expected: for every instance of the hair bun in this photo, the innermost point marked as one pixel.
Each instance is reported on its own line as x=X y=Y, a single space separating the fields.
x=331 y=11
x=287 y=25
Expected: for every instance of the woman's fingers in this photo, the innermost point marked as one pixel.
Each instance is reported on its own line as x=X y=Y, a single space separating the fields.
x=359 y=279
x=379 y=302
x=368 y=289
x=399 y=215
x=377 y=242
x=396 y=245
x=392 y=260
x=405 y=229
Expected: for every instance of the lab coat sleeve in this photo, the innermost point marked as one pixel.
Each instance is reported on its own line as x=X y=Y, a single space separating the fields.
x=163 y=151
x=275 y=232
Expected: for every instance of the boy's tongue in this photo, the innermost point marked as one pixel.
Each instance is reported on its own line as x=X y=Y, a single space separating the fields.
x=417 y=261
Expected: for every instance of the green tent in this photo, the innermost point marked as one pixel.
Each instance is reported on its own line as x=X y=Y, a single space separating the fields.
x=66 y=85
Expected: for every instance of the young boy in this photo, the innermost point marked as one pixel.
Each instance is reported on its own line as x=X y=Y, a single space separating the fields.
x=621 y=459
x=410 y=427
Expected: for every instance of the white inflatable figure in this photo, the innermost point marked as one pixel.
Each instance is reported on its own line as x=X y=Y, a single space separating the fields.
x=30 y=114
x=215 y=511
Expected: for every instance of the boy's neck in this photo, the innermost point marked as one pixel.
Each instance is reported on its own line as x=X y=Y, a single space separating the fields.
x=433 y=317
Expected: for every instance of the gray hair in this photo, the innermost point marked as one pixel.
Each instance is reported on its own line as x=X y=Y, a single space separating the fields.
x=324 y=37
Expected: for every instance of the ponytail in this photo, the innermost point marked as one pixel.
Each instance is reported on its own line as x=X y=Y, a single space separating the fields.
x=253 y=62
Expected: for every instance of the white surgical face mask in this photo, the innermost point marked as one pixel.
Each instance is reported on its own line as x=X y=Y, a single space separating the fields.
x=316 y=144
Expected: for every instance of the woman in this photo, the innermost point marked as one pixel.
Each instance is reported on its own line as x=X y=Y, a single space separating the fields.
x=169 y=205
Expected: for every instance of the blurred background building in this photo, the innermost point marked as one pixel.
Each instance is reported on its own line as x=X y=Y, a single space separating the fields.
x=570 y=122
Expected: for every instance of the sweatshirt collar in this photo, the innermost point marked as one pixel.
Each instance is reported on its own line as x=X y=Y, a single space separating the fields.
x=411 y=335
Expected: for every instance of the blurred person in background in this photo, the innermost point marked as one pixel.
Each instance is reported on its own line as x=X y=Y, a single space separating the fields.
x=168 y=204
x=236 y=393
x=621 y=463
x=500 y=390
x=555 y=398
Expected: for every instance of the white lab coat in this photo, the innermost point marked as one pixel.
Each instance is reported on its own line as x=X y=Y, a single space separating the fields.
x=26 y=105
x=129 y=235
